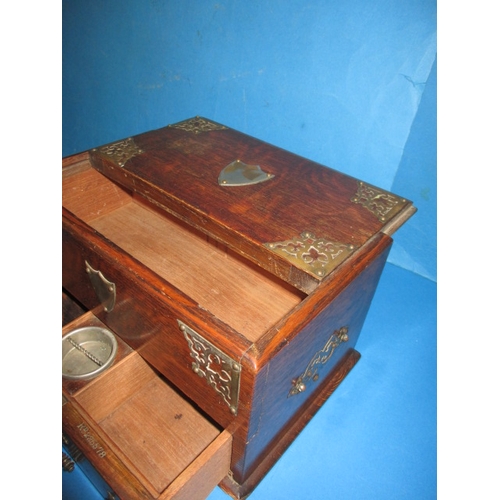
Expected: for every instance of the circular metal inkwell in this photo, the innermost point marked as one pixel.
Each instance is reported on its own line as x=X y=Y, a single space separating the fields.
x=87 y=352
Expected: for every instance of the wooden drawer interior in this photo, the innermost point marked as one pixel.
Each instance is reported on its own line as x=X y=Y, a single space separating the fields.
x=242 y=295
x=162 y=439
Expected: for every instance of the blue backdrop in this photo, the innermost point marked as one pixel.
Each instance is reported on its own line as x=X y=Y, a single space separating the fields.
x=338 y=81
x=350 y=84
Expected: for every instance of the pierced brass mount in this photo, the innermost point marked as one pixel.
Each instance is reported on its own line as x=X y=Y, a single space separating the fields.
x=197 y=125
x=312 y=254
x=220 y=371
x=318 y=361
x=379 y=202
x=120 y=152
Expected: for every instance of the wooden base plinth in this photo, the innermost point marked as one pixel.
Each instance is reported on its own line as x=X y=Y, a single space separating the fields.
x=273 y=453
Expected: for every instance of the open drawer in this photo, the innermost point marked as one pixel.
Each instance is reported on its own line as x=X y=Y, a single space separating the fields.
x=144 y=438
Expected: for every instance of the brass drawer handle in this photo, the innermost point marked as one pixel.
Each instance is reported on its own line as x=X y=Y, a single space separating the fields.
x=104 y=289
x=300 y=383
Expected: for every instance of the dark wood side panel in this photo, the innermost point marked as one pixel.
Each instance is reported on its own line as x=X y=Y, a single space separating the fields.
x=312 y=339
x=283 y=440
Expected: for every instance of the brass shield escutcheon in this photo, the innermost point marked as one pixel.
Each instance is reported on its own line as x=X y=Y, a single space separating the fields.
x=104 y=289
x=238 y=173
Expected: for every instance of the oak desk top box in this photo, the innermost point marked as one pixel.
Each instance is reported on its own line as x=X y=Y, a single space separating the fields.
x=235 y=277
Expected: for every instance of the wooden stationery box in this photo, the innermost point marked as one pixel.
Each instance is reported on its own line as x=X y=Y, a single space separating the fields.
x=237 y=276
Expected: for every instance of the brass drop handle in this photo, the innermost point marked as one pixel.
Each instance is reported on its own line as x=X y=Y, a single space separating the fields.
x=311 y=373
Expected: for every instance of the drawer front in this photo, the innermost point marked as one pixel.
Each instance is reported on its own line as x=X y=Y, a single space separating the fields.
x=193 y=483
x=143 y=439
x=152 y=318
x=93 y=444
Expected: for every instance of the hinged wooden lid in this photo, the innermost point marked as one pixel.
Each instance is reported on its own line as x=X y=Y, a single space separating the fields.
x=292 y=216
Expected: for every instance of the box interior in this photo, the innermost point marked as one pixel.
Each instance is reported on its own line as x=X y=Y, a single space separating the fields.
x=244 y=296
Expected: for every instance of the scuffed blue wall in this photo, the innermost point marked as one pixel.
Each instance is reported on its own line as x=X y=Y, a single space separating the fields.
x=415 y=245
x=336 y=81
